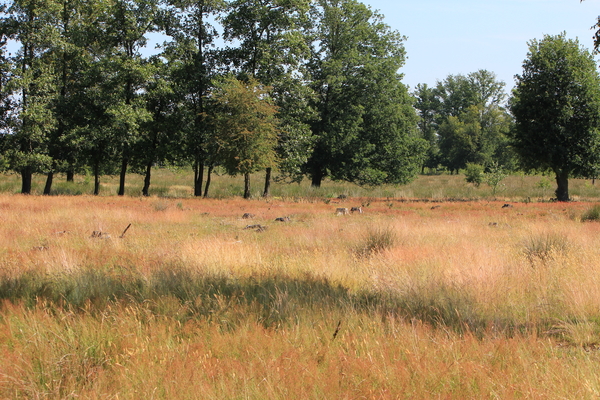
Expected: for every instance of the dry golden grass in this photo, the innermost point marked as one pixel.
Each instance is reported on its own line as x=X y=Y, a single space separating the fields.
x=412 y=300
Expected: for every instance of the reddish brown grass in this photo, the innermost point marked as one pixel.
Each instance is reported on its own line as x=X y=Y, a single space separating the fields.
x=515 y=319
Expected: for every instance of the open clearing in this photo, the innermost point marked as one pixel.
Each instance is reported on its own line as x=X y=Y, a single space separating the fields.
x=414 y=300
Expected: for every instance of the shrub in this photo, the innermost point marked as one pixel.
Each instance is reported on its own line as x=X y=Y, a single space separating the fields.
x=494 y=176
x=592 y=214
x=160 y=206
x=474 y=174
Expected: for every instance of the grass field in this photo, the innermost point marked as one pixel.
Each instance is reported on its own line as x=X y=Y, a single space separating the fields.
x=177 y=183
x=408 y=300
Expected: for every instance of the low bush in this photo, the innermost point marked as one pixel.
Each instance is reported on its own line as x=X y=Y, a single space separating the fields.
x=474 y=173
x=592 y=214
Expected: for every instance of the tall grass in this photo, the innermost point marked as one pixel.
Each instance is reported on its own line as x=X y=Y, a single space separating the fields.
x=376 y=240
x=407 y=300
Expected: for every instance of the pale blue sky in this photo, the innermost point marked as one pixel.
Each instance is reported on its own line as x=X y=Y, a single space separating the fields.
x=462 y=36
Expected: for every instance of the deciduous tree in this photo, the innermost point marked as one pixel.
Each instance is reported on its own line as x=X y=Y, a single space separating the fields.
x=465 y=118
x=272 y=46
x=366 y=126
x=127 y=71
x=194 y=63
x=245 y=127
x=556 y=104
x=31 y=24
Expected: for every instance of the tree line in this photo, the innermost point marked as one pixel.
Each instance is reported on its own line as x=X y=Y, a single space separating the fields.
x=297 y=88
x=303 y=88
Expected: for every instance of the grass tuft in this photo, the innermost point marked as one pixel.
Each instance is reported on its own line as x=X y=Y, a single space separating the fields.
x=545 y=247
x=376 y=241
x=591 y=214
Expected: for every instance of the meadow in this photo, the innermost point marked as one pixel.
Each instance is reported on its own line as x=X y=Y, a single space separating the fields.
x=436 y=290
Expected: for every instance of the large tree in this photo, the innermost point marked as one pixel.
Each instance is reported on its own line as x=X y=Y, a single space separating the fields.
x=160 y=137
x=194 y=62
x=427 y=105
x=556 y=104
x=127 y=71
x=70 y=55
x=272 y=46
x=366 y=125
x=246 y=127
x=6 y=100
x=32 y=26
x=465 y=120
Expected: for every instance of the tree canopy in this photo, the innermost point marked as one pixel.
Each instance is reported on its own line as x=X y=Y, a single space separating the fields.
x=365 y=127
x=556 y=104
x=464 y=119
x=245 y=127
x=81 y=96
x=321 y=78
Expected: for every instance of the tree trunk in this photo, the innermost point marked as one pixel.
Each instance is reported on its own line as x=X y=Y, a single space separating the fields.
x=198 y=177
x=146 y=188
x=124 y=164
x=267 y=190
x=70 y=175
x=246 y=185
x=562 y=189
x=26 y=176
x=49 y=179
x=208 y=174
x=96 y=179
x=317 y=178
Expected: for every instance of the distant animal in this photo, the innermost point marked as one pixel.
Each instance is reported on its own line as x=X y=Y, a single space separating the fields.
x=256 y=227
x=356 y=210
x=283 y=219
x=507 y=206
x=342 y=211
x=100 y=235
x=247 y=216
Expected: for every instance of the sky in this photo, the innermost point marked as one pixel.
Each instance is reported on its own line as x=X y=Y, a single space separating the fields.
x=461 y=36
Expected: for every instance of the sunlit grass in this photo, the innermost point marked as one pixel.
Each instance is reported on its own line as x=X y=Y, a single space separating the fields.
x=407 y=300
x=178 y=183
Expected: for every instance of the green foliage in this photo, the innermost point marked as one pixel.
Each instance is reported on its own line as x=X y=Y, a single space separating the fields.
x=89 y=100
x=474 y=173
x=427 y=104
x=366 y=126
x=556 y=104
x=272 y=46
x=591 y=214
x=494 y=177
x=544 y=183
x=465 y=120
x=246 y=127
x=193 y=63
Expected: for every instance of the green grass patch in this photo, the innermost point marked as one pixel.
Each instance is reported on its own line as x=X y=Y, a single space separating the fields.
x=591 y=214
